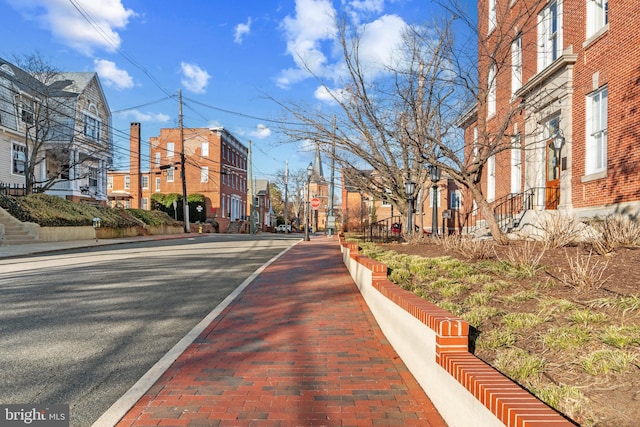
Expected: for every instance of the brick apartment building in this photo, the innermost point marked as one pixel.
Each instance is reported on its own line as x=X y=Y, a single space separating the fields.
x=360 y=209
x=216 y=167
x=562 y=71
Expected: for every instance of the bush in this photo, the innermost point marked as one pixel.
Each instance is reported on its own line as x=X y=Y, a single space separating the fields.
x=51 y=211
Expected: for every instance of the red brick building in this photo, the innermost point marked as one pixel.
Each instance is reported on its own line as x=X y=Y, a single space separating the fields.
x=216 y=167
x=360 y=209
x=552 y=71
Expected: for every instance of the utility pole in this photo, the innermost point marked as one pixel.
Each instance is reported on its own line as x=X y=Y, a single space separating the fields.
x=252 y=201
x=185 y=204
x=286 y=194
x=331 y=221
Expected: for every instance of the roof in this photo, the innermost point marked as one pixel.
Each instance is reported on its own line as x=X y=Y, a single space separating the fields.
x=261 y=186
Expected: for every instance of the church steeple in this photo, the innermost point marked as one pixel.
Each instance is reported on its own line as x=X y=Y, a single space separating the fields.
x=318 y=174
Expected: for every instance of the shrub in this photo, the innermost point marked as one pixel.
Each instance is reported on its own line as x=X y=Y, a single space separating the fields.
x=560 y=230
x=584 y=272
x=613 y=232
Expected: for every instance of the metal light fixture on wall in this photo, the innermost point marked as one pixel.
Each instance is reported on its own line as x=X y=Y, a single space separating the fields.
x=558 y=141
x=308 y=210
x=409 y=188
x=434 y=174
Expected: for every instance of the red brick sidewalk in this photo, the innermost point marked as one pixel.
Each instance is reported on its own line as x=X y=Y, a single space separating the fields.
x=297 y=348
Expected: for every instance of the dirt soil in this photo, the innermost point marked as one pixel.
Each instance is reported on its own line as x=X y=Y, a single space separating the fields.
x=609 y=399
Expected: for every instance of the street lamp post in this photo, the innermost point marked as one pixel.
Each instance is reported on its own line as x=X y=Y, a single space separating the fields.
x=434 y=174
x=306 y=227
x=409 y=188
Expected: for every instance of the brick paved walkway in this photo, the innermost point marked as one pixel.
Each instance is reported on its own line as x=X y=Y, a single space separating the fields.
x=297 y=348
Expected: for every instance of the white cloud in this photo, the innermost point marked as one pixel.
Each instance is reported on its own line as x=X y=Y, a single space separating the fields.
x=111 y=75
x=379 y=44
x=139 y=116
x=312 y=25
x=261 y=132
x=241 y=31
x=67 y=24
x=367 y=5
x=312 y=42
x=330 y=95
x=194 y=78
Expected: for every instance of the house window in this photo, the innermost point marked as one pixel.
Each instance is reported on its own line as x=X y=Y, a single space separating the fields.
x=145 y=204
x=204 y=174
x=491 y=91
x=492 y=15
x=19 y=159
x=516 y=165
x=475 y=142
x=158 y=181
x=491 y=178
x=516 y=64
x=205 y=149
x=549 y=35
x=455 y=199
x=91 y=128
x=109 y=183
x=145 y=181
x=170 y=149
x=27 y=116
x=158 y=159
x=597 y=15
x=596 y=155
x=170 y=175
x=127 y=181
x=93 y=177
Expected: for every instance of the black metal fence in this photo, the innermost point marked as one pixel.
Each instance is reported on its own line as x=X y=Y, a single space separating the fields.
x=385 y=230
x=15 y=190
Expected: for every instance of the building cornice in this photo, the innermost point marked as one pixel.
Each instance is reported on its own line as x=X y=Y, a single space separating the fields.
x=566 y=60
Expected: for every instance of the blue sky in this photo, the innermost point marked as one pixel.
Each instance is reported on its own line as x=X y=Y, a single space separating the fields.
x=226 y=57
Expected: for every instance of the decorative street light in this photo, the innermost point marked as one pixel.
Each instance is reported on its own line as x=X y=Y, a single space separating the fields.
x=434 y=174
x=409 y=188
x=557 y=142
x=306 y=226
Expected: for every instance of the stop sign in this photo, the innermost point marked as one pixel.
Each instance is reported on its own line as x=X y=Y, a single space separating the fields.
x=315 y=203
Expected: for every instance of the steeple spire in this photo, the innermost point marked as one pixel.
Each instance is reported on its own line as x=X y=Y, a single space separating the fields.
x=318 y=175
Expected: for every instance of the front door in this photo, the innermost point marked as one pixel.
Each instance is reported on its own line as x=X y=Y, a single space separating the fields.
x=552 y=190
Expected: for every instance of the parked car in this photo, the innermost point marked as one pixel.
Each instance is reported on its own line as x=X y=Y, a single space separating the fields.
x=282 y=228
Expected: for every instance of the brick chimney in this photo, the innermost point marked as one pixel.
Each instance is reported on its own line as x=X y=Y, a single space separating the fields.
x=135 y=149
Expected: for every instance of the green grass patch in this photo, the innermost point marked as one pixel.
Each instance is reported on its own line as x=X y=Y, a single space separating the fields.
x=519 y=365
x=566 y=337
x=621 y=336
x=516 y=321
x=587 y=317
x=605 y=361
x=496 y=338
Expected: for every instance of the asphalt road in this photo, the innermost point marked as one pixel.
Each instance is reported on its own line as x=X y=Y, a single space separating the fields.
x=81 y=327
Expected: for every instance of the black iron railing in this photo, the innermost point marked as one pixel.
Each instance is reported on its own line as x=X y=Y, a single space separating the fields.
x=385 y=230
x=15 y=190
x=510 y=209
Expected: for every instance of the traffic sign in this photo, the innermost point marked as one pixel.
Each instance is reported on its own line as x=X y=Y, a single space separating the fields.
x=315 y=203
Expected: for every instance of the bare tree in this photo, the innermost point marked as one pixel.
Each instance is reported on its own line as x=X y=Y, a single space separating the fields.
x=389 y=127
x=296 y=185
x=371 y=125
